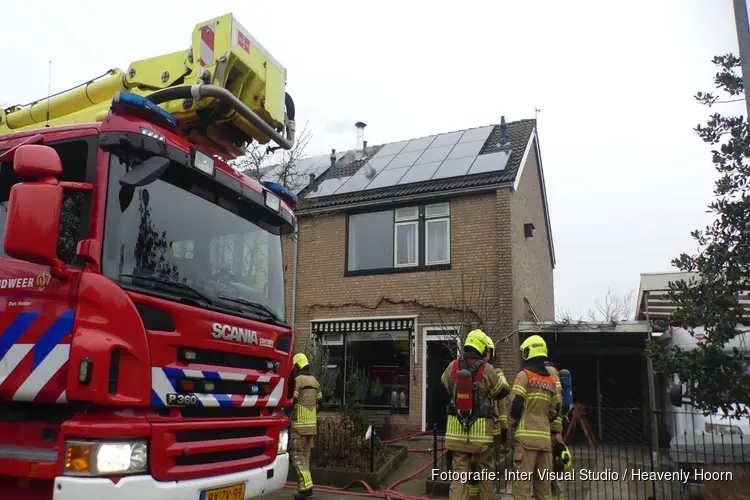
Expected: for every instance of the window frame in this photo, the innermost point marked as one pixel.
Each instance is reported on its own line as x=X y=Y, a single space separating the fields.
x=92 y=151
x=436 y=219
x=341 y=341
x=396 y=226
x=421 y=221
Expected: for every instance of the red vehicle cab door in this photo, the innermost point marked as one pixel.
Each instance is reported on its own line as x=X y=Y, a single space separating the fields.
x=36 y=308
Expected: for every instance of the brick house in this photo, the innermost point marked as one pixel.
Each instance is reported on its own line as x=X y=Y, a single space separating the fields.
x=404 y=246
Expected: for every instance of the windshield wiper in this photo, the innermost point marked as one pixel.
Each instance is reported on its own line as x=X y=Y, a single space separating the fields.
x=175 y=284
x=255 y=305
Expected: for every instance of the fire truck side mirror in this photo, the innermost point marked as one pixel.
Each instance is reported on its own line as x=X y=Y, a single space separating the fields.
x=33 y=221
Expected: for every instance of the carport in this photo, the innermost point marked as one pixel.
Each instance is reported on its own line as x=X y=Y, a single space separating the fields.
x=609 y=373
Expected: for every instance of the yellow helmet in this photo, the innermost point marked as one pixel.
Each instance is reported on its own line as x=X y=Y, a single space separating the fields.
x=300 y=360
x=490 y=343
x=533 y=347
x=491 y=347
x=478 y=340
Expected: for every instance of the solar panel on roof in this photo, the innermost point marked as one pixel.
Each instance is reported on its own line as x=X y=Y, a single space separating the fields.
x=462 y=150
x=387 y=178
x=476 y=134
x=490 y=162
x=356 y=182
x=420 y=173
x=393 y=148
x=434 y=154
x=453 y=168
x=327 y=187
x=448 y=139
x=404 y=160
x=380 y=163
x=419 y=144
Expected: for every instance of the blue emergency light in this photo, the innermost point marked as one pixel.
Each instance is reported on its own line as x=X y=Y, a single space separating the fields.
x=285 y=194
x=145 y=105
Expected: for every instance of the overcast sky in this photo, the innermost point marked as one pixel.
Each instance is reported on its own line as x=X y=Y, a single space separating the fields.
x=627 y=179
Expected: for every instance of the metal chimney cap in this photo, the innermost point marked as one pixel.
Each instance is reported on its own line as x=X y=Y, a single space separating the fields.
x=360 y=124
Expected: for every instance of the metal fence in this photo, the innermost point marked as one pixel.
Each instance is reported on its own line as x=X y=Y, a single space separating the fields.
x=340 y=444
x=699 y=458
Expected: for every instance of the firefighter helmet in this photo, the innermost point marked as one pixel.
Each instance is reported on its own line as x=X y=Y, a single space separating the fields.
x=562 y=457
x=478 y=340
x=300 y=361
x=490 y=347
x=534 y=347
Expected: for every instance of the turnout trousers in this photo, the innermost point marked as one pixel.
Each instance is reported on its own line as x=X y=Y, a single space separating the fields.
x=473 y=462
x=300 y=449
x=530 y=461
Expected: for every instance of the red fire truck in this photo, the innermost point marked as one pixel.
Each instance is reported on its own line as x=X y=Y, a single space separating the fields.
x=144 y=352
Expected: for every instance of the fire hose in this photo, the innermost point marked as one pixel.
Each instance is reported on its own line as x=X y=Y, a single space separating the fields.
x=389 y=493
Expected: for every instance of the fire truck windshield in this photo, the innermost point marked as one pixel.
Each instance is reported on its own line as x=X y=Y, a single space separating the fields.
x=184 y=236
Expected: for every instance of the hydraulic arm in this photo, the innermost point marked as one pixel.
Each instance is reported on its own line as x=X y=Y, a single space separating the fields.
x=226 y=90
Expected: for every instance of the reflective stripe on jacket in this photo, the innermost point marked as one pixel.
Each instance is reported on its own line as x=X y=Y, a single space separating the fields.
x=556 y=426
x=479 y=436
x=306 y=397
x=535 y=404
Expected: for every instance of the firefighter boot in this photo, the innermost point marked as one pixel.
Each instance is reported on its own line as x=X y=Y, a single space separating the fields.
x=302 y=495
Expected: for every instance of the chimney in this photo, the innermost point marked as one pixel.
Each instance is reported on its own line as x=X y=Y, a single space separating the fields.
x=333 y=157
x=360 y=139
x=364 y=147
x=503 y=132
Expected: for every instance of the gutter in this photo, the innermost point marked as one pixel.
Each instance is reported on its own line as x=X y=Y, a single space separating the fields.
x=415 y=197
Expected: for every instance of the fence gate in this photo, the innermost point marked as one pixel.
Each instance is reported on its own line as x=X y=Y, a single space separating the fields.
x=700 y=461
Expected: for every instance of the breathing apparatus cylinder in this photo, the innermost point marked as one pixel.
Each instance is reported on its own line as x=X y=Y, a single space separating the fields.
x=567 y=392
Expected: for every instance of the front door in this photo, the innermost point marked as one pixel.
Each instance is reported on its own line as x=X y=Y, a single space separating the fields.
x=439 y=355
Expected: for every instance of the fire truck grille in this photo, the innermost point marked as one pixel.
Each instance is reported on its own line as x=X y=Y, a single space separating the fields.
x=184 y=449
x=219 y=456
x=218 y=412
x=214 y=434
x=226 y=359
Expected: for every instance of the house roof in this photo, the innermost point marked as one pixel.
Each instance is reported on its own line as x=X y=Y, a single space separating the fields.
x=315 y=197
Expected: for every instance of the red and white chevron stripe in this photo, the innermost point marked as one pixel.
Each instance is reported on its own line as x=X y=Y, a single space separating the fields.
x=207 y=45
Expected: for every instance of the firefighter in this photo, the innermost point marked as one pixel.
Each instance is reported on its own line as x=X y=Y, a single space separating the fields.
x=473 y=385
x=556 y=427
x=500 y=427
x=307 y=396
x=534 y=406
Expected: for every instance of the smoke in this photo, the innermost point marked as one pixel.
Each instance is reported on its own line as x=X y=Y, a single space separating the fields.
x=340 y=126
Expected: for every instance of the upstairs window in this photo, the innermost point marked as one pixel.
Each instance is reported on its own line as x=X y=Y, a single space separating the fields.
x=402 y=239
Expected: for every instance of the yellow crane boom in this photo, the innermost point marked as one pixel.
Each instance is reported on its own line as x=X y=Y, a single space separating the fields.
x=226 y=90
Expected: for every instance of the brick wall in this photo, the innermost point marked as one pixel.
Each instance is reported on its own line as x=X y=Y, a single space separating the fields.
x=485 y=250
x=532 y=265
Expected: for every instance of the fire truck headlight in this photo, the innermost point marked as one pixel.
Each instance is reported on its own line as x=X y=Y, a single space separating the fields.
x=283 y=441
x=94 y=458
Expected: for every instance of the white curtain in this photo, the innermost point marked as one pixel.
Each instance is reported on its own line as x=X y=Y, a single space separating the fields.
x=437 y=238
x=407 y=244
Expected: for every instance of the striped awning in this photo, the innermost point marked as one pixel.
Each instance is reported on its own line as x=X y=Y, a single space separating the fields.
x=363 y=325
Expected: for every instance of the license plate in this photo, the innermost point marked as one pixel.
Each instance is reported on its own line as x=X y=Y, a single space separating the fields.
x=236 y=492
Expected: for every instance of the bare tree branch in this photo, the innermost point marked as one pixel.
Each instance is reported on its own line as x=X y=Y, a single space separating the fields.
x=565 y=316
x=613 y=308
x=283 y=168
x=470 y=303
